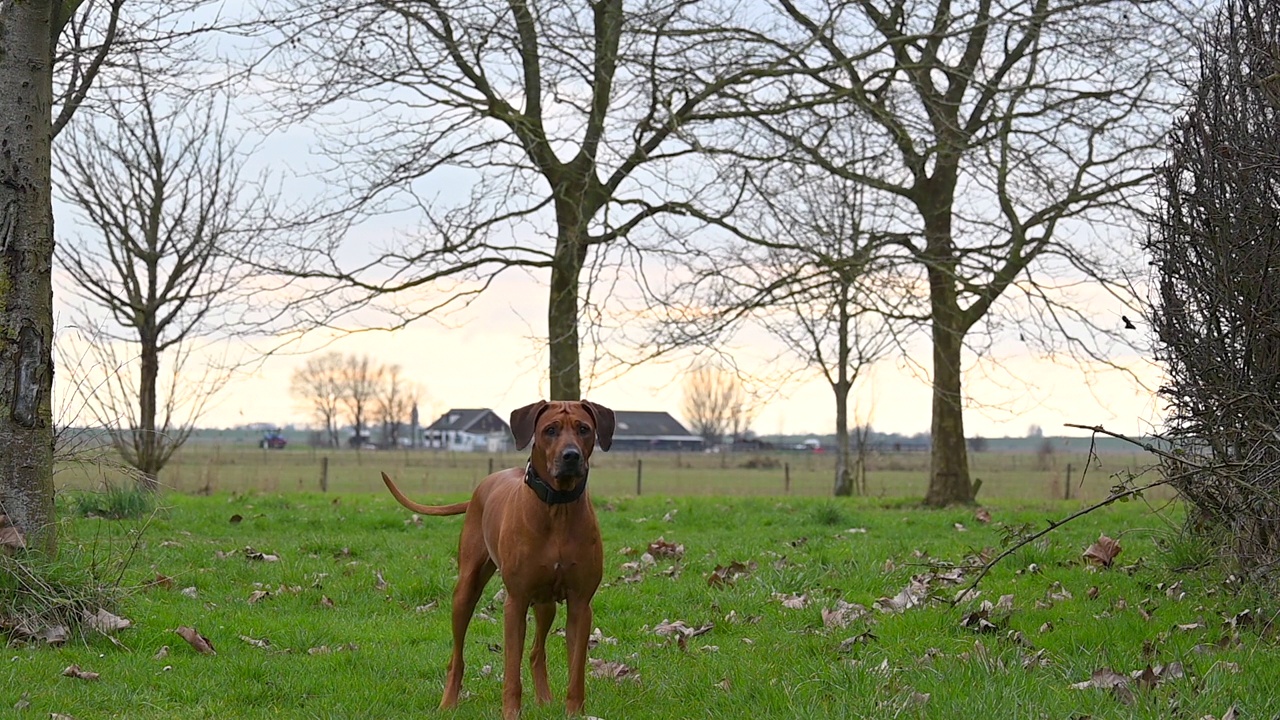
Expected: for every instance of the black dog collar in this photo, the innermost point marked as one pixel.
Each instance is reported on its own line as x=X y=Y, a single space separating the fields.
x=548 y=494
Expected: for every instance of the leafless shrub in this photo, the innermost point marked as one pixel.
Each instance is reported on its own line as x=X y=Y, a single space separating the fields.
x=1215 y=252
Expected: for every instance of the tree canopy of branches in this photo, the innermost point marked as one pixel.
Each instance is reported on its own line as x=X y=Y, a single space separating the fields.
x=158 y=180
x=355 y=389
x=1215 y=246
x=317 y=386
x=1000 y=132
x=561 y=130
x=714 y=403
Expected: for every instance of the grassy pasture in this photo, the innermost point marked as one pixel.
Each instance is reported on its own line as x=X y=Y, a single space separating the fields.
x=388 y=644
x=1022 y=476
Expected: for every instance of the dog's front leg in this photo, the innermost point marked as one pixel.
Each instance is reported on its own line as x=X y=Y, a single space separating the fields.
x=577 y=632
x=515 y=614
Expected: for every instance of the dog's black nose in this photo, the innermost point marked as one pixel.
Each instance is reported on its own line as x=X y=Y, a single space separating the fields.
x=571 y=456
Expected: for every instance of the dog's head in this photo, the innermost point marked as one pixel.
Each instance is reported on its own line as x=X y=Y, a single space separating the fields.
x=563 y=436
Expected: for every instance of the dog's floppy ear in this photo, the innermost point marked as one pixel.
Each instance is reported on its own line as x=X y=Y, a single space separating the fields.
x=605 y=423
x=524 y=421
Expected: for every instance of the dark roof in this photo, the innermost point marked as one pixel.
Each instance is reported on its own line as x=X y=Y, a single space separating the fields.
x=462 y=419
x=646 y=423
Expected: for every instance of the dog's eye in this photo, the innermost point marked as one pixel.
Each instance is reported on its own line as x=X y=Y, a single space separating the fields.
x=551 y=430
x=584 y=430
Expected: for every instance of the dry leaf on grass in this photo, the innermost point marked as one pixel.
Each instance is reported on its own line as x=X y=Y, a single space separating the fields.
x=982 y=515
x=731 y=573
x=613 y=670
x=326 y=601
x=598 y=637
x=236 y=519
x=910 y=596
x=792 y=601
x=74 y=671
x=325 y=649
x=263 y=643
x=11 y=539
x=197 y=641
x=843 y=614
x=380 y=583
x=848 y=644
x=257 y=596
x=979 y=621
x=664 y=549
x=190 y=592
x=163 y=581
x=681 y=631
x=60 y=716
x=105 y=622
x=1102 y=552
x=162 y=653
x=260 y=556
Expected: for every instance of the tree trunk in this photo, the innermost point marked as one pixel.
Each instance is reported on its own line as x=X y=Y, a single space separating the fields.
x=562 y=305
x=147 y=442
x=949 y=472
x=844 y=473
x=949 y=462
x=844 y=479
x=26 y=281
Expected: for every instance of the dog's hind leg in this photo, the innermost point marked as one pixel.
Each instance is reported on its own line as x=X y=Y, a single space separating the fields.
x=474 y=570
x=544 y=614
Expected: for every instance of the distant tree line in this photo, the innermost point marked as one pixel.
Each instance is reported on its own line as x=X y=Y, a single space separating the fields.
x=340 y=390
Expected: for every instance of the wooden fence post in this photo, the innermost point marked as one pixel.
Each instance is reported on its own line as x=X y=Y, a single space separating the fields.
x=490 y=465
x=639 y=473
x=324 y=474
x=786 y=478
x=1066 y=495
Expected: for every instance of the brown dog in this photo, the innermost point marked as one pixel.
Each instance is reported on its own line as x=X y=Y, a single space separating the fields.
x=536 y=527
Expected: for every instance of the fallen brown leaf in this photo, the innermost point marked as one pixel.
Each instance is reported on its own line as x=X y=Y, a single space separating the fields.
x=662 y=548
x=258 y=595
x=843 y=614
x=75 y=672
x=792 y=601
x=912 y=595
x=381 y=582
x=197 y=641
x=236 y=519
x=613 y=670
x=731 y=573
x=325 y=601
x=162 y=653
x=105 y=622
x=1103 y=551
x=11 y=539
x=263 y=643
x=982 y=515
x=260 y=556
x=163 y=581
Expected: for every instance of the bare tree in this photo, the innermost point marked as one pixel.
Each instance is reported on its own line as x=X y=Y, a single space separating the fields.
x=1002 y=133
x=158 y=180
x=828 y=255
x=361 y=382
x=561 y=129
x=318 y=385
x=36 y=47
x=395 y=401
x=1214 y=243
x=713 y=400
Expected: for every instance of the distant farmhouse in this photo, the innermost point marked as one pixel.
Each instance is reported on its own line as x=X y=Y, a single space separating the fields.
x=639 y=430
x=468 y=430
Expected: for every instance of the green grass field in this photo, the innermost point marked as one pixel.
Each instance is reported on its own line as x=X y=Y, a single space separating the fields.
x=380 y=650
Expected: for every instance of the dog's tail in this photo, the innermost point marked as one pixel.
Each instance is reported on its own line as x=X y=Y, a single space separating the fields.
x=454 y=509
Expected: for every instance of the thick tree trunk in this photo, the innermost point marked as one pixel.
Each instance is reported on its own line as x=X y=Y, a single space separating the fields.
x=949 y=472
x=562 y=305
x=949 y=462
x=26 y=257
